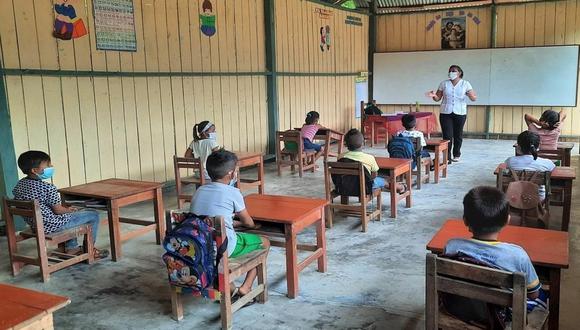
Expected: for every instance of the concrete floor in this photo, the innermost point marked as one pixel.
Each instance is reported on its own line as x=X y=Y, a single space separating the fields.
x=375 y=280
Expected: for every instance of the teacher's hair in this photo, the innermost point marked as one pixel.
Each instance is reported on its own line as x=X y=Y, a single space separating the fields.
x=455 y=66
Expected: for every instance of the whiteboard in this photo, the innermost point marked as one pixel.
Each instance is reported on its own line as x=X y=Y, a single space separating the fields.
x=535 y=76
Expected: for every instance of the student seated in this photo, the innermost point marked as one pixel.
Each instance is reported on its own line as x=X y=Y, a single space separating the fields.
x=372 y=109
x=354 y=142
x=485 y=213
x=204 y=142
x=308 y=131
x=409 y=122
x=547 y=127
x=528 y=145
x=55 y=216
x=221 y=198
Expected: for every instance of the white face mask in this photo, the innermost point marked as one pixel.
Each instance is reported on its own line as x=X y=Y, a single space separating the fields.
x=212 y=136
x=453 y=75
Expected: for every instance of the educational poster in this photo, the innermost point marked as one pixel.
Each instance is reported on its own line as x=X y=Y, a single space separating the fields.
x=207 y=19
x=453 y=32
x=115 y=25
x=68 y=19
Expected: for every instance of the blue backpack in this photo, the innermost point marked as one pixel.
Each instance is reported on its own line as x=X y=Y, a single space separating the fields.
x=402 y=147
x=192 y=257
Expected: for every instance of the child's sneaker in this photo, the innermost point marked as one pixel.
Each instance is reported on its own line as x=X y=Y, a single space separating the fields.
x=540 y=303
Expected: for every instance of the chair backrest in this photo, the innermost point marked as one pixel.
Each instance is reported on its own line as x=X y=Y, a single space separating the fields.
x=350 y=178
x=554 y=155
x=476 y=282
x=541 y=178
x=290 y=140
x=27 y=209
x=194 y=164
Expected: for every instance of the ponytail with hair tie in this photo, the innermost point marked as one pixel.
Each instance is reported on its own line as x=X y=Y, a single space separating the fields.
x=534 y=150
x=195 y=136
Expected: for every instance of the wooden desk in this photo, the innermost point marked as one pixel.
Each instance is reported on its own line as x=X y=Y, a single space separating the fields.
x=441 y=148
x=567 y=150
x=293 y=214
x=248 y=159
x=561 y=181
x=547 y=249
x=426 y=123
x=27 y=309
x=397 y=167
x=118 y=193
x=333 y=136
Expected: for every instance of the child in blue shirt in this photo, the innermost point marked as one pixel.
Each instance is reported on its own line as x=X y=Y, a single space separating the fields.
x=55 y=216
x=486 y=212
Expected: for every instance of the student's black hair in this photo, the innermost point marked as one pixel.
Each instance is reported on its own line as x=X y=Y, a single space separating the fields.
x=455 y=66
x=354 y=139
x=31 y=159
x=550 y=117
x=311 y=117
x=408 y=121
x=485 y=210
x=529 y=143
x=197 y=128
x=219 y=163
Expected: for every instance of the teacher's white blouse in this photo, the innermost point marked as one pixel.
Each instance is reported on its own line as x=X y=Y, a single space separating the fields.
x=454 y=97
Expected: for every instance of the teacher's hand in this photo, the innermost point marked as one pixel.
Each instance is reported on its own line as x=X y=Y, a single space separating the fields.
x=431 y=94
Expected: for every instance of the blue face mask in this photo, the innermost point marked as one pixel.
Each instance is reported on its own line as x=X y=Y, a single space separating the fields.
x=46 y=174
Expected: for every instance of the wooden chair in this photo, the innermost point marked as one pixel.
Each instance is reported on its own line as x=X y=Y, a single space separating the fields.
x=476 y=282
x=198 y=178
x=522 y=216
x=290 y=152
x=355 y=172
x=423 y=168
x=554 y=155
x=229 y=270
x=49 y=262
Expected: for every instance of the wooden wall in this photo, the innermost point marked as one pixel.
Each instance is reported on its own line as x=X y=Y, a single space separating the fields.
x=536 y=24
x=298 y=51
x=130 y=127
x=531 y=24
x=408 y=32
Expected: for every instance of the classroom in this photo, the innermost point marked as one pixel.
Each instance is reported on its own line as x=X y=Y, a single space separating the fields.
x=289 y=164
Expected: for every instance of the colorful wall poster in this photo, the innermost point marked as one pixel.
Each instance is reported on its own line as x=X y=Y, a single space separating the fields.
x=115 y=25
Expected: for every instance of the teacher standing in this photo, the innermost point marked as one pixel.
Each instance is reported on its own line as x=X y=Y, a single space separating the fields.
x=453 y=94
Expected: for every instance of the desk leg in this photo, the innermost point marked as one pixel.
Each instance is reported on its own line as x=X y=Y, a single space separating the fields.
x=321 y=242
x=372 y=133
x=408 y=176
x=554 y=307
x=567 y=157
x=291 y=262
x=340 y=144
x=437 y=162
x=261 y=176
x=445 y=154
x=114 y=230
x=567 y=205
x=159 y=220
x=393 y=191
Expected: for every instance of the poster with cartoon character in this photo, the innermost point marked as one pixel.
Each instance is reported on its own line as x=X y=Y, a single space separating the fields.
x=207 y=19
x=67 y=21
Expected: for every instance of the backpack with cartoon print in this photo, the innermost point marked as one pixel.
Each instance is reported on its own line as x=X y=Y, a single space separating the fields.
x=192 y=257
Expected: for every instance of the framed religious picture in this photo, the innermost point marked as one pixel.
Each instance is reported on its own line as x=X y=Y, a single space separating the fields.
x=453 y=32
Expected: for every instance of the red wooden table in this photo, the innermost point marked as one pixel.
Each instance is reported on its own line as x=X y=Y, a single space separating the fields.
x=561 y=180
x=374 y=125
x=397 y=167
x=116 y=193
x=547 y=249
x=293 y=214
x=441 y=149
x=28 y=309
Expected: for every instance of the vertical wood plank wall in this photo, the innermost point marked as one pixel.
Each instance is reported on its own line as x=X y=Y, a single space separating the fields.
x=130 y=127
x=298 y=50
x=407 y=32
x=521 y=25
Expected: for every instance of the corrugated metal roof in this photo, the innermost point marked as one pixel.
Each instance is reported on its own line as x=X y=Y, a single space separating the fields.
x=401 y=3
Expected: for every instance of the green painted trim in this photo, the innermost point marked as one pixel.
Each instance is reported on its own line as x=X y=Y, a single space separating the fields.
x=493 y=34
x=272 y=79
x=317 y=74
x=73 y=73
x=8 y=168
x=372 y=48
x=326 y=4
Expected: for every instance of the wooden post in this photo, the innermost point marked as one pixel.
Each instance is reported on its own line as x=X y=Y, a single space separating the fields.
x=272 y=77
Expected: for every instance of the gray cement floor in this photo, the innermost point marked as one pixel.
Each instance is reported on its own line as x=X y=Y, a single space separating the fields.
x=375 y=280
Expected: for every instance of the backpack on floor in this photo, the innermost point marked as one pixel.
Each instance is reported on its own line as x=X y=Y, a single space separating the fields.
x=402 y=147
x=192 y=257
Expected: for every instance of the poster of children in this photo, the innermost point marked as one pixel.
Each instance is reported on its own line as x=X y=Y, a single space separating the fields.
x=207 y=19
x=67 y=21
x=325 y=38
x=453 y=33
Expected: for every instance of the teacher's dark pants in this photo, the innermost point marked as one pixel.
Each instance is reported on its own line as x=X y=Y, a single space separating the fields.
x=452 y=129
